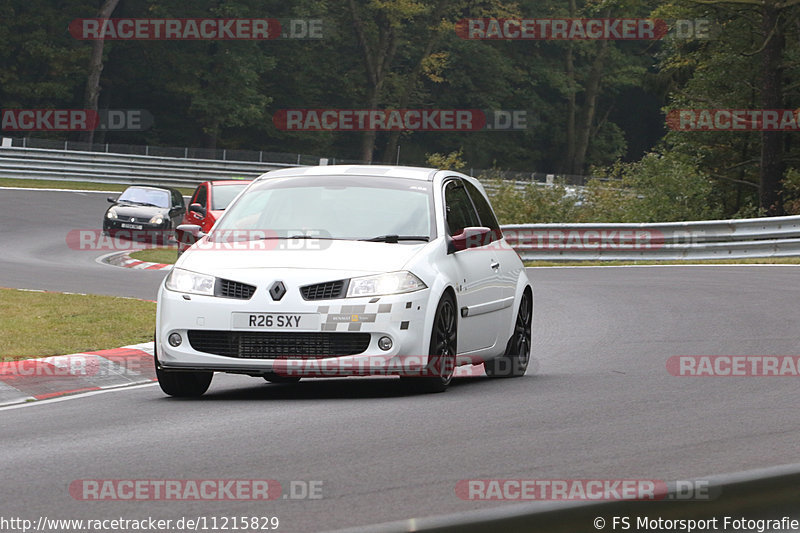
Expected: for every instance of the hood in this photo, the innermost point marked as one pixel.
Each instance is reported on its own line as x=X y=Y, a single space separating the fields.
x=138 y=211
x=368 y=257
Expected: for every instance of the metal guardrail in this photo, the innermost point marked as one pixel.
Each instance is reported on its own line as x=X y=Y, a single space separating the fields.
x=716 y=239
x=99 y=167
x=712 y=239
x=768 y=493
x=77 y=158
x=261 y=156
x=184 y=152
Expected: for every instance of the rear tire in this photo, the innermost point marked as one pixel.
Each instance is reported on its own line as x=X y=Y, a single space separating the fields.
x=181 y=384
x=514 y=362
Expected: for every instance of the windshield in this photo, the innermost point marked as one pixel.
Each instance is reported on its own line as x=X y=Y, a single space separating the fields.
x=136 y=195
x=223 y=195
x=350 y=208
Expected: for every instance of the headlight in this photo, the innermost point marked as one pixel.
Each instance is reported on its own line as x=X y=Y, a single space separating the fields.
x=391 y=283
x=157 y=219
x=111 y=213
x=180 y=280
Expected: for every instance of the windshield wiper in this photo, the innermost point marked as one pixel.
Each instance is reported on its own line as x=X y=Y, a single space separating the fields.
x=398 y=238
x=271 y=237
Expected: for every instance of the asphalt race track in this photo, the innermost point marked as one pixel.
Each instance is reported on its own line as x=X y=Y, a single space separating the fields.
x=34 y=226
x=600 y=403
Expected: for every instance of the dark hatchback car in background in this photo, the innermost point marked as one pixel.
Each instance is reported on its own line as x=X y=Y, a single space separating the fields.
x=145 y=213
x=207 y=204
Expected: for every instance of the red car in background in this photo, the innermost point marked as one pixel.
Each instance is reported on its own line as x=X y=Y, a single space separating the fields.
x=206 y=205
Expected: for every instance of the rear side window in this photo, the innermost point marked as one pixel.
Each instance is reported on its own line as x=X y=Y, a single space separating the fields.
x=485 y=212
x=458 y=207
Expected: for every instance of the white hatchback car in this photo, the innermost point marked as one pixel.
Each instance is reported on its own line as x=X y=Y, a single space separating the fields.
x=346 y=270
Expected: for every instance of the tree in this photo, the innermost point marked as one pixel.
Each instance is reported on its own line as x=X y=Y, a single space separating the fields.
x=746 y=66
x=92 y=93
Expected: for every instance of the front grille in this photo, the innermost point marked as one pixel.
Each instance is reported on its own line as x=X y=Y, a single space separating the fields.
x=136 y=220
x=226 y=288
x=324 y=291
x=278 y=345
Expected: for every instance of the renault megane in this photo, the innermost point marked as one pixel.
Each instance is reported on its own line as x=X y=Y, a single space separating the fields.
x=346 y=270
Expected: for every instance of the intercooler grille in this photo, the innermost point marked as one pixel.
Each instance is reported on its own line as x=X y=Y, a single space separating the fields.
x=278 y=345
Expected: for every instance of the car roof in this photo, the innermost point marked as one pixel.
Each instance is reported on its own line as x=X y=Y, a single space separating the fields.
x=230 y=182
x=418 y=173
x=158 y=187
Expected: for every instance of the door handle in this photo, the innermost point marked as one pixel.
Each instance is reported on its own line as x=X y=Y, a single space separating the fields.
x=495 y=265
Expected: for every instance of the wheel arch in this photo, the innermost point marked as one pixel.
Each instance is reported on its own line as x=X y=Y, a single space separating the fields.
x=523 y=285
x=437 y=293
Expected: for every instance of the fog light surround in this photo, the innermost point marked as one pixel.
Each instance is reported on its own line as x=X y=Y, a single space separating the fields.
x=174 y=340
x=385 y=344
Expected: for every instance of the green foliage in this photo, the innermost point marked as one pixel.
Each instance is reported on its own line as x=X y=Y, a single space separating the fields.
x=531 y=203
x=725 y=71
x=791 y=192
x=589 y=103
x=658 y=188
x=451 y=161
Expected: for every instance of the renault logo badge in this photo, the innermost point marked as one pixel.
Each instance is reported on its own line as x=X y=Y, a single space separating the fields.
x=277 y=290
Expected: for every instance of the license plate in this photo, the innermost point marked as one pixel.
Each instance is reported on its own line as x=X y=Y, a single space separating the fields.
x=131 y=226
x=277 y=321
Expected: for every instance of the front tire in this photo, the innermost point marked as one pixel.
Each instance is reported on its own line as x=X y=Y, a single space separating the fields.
x=515 y=361
x=442 y=350
x=181 y=384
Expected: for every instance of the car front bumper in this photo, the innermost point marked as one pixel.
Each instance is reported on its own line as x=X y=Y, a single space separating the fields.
x=142 y=232
x=211 y=342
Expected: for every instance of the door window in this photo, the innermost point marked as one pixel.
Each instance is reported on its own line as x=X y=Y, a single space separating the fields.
x=200 y=196
x=485 y=213
x=458 y=208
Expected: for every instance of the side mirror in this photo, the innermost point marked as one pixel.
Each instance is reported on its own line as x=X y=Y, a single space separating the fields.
x=111 y=199
x=471 y=237
x=192 y=229
x=199 y=209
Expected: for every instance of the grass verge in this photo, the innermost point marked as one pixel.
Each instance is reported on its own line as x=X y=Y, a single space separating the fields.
x=76 y=185
x=753 y=261
x=39 y=324
x=165 y=255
